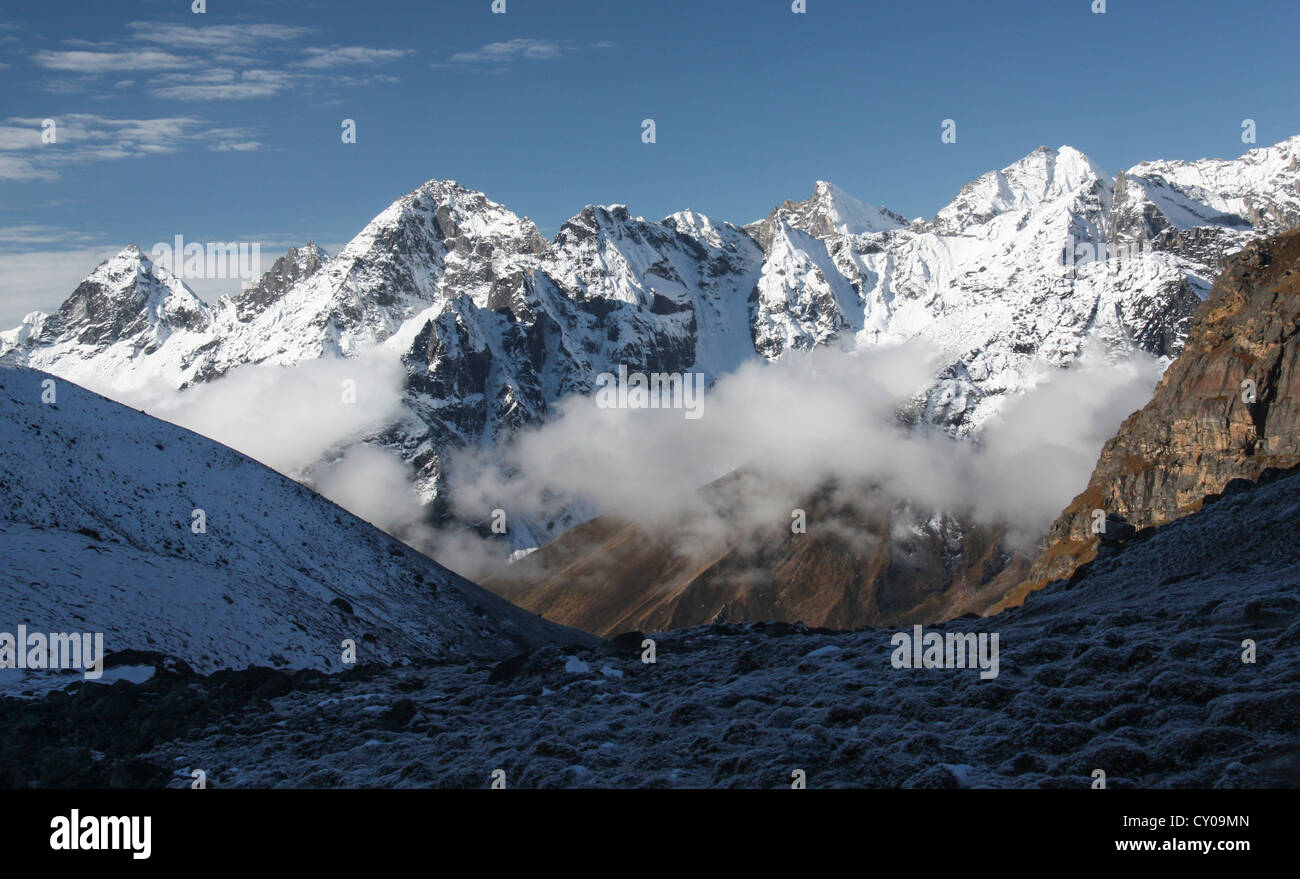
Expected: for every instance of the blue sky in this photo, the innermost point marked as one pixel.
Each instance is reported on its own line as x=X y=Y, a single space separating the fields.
x=225 y=126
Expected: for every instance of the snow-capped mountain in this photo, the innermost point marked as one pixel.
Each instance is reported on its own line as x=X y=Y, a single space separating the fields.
x=99 y=533
x=128 y=322
x=399 y=272
x=830 y=211
x=494 y=325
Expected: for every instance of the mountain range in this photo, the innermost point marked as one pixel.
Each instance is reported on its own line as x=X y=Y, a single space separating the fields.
x=493 y=326
x=1223 y=416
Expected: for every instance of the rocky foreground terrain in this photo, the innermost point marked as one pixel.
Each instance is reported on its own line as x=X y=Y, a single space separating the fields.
x=1134 y=667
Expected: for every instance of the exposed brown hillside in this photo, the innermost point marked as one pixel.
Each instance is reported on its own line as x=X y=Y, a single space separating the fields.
x=862 y=562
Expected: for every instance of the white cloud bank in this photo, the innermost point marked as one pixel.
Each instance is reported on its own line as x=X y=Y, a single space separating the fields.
x=807 y=421
x=791 y=427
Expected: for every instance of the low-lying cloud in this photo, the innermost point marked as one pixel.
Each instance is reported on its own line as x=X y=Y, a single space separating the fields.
x=805 y=422
x=312 y=422
x=287 y=417
x=819 y=421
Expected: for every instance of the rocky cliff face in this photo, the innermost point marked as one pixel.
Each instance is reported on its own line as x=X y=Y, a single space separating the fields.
x=294 y=267
x=1228 y=408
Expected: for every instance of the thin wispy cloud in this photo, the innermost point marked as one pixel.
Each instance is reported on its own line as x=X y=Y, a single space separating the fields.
x=222 y=84
x=77 y=85
x=237 y=146
x=35 y=234
x=19 y=168
x=225 y=37
x=19 y=136
x=368 y=80
x=217 y=62
x=346 y=55
x=82 y=61
x=524 y=48
x=84 y=137
x=77 y=43
x=501 y=54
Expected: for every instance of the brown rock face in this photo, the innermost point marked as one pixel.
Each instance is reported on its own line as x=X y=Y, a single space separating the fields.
x=862 y=562
x=1200 y=429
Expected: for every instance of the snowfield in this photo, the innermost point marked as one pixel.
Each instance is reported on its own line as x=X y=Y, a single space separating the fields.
x=1135 y=669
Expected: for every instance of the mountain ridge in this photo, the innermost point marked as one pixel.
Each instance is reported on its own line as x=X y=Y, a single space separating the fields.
x=494 y=325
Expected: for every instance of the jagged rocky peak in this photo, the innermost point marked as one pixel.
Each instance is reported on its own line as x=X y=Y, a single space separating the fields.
x=1046 y=176
x=1134 y=217
x=702 y=228
x=591 y=221
x=831 y=210
x=440 y=240
x=604 y=253
x=432 y=245
x=828 y=212
x=604 y=226
x=308 y=258
x=1258 y=188
x=127 y=296
x=298 y=264
x=1062 y=170
x=464 y=219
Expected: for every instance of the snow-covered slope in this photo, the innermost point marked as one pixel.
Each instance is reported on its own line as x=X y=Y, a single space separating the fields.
x=97 y=534
x=1021 y=272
